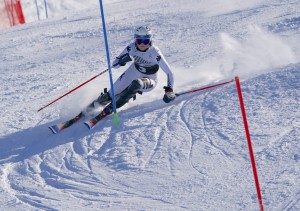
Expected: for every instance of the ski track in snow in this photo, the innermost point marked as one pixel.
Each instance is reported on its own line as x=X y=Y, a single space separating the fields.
x=190 y=154
x=100 y=159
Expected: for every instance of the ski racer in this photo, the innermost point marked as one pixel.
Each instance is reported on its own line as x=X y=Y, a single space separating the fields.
x=139 y=77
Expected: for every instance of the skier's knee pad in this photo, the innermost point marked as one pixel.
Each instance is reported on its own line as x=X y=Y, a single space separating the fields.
x=141 y=83
x=147 y=83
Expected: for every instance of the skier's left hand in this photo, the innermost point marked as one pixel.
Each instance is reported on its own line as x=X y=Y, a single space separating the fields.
x=169 y=94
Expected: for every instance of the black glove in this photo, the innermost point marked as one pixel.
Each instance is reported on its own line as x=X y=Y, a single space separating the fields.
x=169 y=94
x=124 y=59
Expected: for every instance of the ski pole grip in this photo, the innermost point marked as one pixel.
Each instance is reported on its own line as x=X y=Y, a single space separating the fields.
x=124 y=59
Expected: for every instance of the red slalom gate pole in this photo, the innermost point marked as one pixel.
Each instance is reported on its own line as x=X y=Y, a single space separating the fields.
x=73 y=90
x=243 y=110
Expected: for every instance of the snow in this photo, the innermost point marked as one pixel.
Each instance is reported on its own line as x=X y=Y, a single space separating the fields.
x=190 y=154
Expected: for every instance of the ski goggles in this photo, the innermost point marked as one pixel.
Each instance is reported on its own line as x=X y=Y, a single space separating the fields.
x=139 y=41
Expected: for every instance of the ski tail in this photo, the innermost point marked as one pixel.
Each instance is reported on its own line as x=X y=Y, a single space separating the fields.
x=61 y=126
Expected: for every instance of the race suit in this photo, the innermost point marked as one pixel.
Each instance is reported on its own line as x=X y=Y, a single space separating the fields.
x=144 y=68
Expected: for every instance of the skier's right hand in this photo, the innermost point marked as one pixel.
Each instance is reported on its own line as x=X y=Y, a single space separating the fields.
x=122 y=60
x=115 y=63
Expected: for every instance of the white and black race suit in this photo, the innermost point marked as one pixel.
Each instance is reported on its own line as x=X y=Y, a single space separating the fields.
x=144 y=69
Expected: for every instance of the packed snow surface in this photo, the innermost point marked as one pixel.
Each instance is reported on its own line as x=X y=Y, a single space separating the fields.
x=190 y=154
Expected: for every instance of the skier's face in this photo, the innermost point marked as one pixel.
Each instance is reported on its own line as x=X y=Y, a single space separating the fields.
x=143 y=44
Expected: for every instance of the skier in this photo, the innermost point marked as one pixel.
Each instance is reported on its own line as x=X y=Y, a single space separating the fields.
x=141 y=75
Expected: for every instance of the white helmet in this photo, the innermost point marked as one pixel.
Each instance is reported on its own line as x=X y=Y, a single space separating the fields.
x=143 y=32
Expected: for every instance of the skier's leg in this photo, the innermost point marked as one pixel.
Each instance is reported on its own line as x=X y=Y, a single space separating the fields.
x=123 y=97
x=138 y=85
x=125 y=80
x=103 y=100
x=120 y=84
x=128 y=93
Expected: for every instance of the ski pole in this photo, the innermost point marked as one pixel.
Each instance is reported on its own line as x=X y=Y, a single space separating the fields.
x=73 y=90
x=203 y=88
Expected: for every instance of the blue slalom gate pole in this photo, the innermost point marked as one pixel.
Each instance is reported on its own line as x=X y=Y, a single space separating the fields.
x=116 y=121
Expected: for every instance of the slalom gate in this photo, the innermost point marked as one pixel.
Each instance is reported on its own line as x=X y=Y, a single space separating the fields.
x=247 y=132
x=11 y=13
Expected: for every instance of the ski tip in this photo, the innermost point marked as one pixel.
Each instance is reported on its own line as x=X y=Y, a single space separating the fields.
x=54 y=129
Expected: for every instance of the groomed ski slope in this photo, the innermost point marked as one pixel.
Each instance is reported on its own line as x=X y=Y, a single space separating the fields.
x=187 y=155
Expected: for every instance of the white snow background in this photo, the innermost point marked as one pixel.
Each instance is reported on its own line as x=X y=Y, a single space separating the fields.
x=190 y=154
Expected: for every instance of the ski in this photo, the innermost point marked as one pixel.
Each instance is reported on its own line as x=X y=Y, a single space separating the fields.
x=61 y=126
x=92 y=122
x=106 y=111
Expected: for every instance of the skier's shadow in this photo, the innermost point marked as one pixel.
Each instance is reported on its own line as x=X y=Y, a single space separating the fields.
x=21 y=145
x=24 y=144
